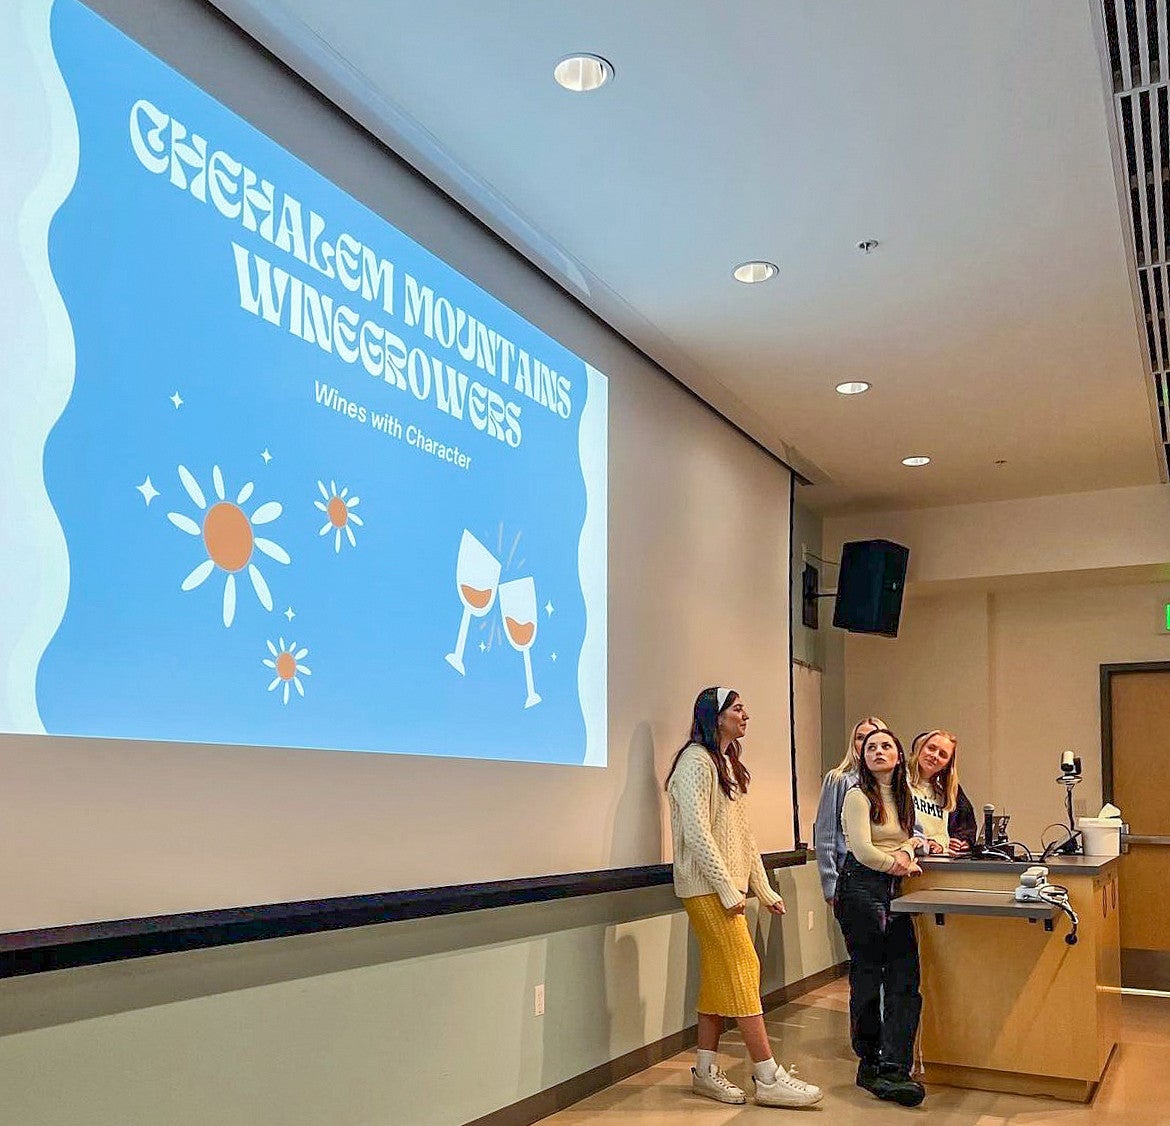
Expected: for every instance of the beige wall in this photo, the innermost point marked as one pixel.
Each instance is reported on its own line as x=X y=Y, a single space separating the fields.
x=1016 y=675
x=1075 y=532
x=1011 y=608
x=935 y=674
x=423 y=1023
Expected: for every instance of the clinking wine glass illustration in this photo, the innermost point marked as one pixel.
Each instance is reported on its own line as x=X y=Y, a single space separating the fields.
x=518 y=609
x=477 y=574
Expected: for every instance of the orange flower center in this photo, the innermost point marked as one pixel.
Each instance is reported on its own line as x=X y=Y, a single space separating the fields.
x=338 y=513
x=286 y=666
x=227 y=534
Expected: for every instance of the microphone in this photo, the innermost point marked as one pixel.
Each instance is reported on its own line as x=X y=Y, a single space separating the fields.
x=988 y=826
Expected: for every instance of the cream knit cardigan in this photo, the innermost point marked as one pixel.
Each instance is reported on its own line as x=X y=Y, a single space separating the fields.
x=714 y=850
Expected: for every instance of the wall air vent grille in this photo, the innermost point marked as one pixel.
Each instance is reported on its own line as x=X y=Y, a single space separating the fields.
x=1137 y=41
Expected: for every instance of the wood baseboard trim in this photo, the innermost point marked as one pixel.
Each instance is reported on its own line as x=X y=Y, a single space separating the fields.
x=983 y=1079
x=544 y=1103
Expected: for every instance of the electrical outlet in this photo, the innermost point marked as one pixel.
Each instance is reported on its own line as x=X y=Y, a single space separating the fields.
x=538 y=1001
x=811 y=920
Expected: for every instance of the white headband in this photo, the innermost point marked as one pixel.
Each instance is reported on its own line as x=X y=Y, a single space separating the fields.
x=721 y=695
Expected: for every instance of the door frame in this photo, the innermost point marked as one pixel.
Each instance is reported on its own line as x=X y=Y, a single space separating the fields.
x=1108 y=672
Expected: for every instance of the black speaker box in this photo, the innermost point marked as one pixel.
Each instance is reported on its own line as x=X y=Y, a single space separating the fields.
x=869 y=587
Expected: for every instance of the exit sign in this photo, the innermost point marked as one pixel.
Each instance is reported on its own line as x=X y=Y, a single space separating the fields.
x=1166 y=617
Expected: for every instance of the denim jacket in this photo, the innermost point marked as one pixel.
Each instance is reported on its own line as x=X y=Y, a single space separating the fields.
x=828 y=836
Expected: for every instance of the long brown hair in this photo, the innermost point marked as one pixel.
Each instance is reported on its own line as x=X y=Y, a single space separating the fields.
x=705 y=734
x=945 y=783
x=867 y=783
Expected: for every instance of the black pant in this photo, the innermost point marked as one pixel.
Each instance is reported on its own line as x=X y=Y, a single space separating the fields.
x=884 y=1001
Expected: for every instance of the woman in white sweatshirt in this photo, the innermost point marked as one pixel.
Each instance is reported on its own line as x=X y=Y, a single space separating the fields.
x=944 y=811
x=716 y=864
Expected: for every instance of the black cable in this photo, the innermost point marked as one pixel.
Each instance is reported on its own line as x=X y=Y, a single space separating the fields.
x=1020 y=844
x=1052 y=846
x=1056 y=895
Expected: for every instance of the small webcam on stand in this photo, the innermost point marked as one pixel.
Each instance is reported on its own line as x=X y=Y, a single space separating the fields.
x=1070 y=775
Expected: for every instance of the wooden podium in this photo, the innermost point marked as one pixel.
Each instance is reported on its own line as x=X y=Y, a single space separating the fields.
x=1008 y=1004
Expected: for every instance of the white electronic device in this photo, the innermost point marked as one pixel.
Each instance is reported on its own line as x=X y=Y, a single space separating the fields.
x=1035 y=888
x=1033 y=882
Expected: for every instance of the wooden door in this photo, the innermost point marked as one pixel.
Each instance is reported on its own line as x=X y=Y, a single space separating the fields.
x=1138 y=717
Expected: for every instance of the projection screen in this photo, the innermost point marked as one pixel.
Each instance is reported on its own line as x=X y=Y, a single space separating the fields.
x=301 y=463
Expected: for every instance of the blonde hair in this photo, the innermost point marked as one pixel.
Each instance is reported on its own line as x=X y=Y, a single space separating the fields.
x=945 y=783
x=848 y=765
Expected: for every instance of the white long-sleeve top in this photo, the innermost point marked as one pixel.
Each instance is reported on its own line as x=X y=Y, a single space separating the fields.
x=874 y=845
x=714 y=849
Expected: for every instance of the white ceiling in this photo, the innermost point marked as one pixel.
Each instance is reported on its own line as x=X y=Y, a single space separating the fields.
x=995 y=320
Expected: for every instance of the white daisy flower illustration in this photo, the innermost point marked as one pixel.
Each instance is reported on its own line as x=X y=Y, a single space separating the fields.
x=286 y=663
x=339 y=511
x=229 y=537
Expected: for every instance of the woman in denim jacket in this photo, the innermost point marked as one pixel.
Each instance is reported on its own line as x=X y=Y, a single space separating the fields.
x=828 y=836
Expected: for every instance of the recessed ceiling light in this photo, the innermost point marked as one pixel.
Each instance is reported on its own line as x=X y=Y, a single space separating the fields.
x=918 y=459
x=582 y=73
x=749 y=272
x=855 y=388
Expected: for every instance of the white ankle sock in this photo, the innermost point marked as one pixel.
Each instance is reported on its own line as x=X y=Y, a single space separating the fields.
x=766 y=1071
x=705 y=1064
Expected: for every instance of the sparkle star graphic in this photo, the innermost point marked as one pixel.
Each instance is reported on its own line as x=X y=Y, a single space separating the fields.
x=266 y=456
x=554 y=657
x=290 y=613
x=482 y=647
x=548 y=609
x=177 y=400
x=148 y=491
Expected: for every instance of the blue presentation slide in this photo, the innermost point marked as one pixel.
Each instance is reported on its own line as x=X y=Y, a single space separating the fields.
x=276 y=474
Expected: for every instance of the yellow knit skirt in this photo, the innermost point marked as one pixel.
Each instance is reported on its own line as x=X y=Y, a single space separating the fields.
x=729 y=969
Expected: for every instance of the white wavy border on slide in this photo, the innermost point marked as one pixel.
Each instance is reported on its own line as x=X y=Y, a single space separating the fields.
x=593 y=566
x=38 y=136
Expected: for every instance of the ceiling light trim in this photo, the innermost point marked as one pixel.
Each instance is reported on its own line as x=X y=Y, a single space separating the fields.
x=755 y=271
x=589 y=75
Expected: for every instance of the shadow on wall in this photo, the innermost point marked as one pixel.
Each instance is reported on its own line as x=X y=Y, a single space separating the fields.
x=594 y=1004
x=575 y=1028
x=776 y=939
x=636 y=829
x=594 y=1007
x=681 y=996
x=623 y=990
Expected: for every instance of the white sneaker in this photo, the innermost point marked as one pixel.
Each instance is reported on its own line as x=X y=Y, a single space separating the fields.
x=715 y=1085
x=791 y=1073
x=787 y=1090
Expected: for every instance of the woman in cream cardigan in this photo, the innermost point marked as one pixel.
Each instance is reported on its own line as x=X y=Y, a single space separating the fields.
x=716 y=864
